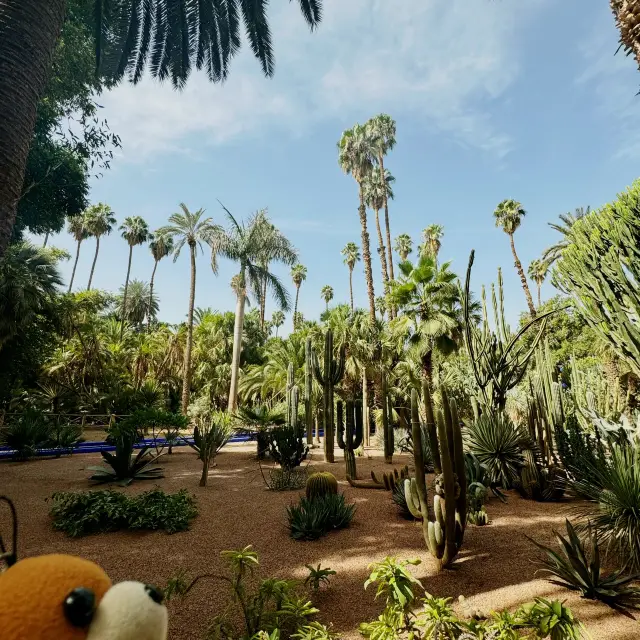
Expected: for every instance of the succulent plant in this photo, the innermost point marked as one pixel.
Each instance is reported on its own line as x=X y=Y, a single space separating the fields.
x=392 y=478
x=387 y=424
x=479 y=518
x=350 y=433
x=321 y=484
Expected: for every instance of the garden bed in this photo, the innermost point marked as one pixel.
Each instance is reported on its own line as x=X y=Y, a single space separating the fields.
x=494 y=569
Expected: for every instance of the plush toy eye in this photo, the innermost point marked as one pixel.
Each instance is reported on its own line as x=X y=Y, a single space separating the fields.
x=79 y=607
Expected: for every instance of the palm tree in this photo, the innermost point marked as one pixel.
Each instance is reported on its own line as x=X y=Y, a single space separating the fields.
x=538 y=272
x=355 y=156
x=383 y=133
x=508 y=215
x=277 y=319
x=141 y=303
x=78 y=229
x=554 y=252
x=326 y=294
x=431 y=236
x=298 y=275
x=351 y=253
x=160 y=245
x=245 y=244
x=627 y=15
x=403 y=246
x=136 y=232
x=189 y=228
x=172 y=37
x=100 y=222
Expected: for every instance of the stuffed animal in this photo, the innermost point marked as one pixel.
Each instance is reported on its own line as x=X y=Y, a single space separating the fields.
x=60 y=597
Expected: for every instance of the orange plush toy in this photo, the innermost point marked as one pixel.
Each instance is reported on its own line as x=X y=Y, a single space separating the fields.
x=60 y=597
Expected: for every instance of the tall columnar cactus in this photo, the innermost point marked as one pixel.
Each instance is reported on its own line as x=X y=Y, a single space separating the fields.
x=350 y=433
x=308 y=390
x=329 y=376
x=387 y=422
x=443 y=528
x=292 y=407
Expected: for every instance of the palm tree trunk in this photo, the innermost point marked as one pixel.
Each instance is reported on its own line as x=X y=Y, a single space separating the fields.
x=237 y=344
x=75 y=264
x=366 y=256
x=277 y=327
x=539 y=298
x=427 y=368
x=126 y=291
x=351 y=286
x=386 y=217
x=523 y=278
x=28 y=33
x=93 y=265
x=263 y=302
x=46 y=239
x=186 y=381
x=295 y=307
x=365 y=409
x=382 y=252
x=153 y=275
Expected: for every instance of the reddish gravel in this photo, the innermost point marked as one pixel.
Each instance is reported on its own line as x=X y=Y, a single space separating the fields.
x=494 y=570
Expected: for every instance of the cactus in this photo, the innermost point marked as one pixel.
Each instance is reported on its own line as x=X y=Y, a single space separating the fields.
x=321 y=484
x=479 y=517
x=308 y=389
x=329 y=376
x=387 y=422
x=443 y=529
x=391 y=479
x=350 y=434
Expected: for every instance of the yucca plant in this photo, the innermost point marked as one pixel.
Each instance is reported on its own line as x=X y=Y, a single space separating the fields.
x=498 y=444
x=124 y=467
x=578 y=568
x=209 y=437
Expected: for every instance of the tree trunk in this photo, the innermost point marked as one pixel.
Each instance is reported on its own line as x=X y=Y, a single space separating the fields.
x=427 y=368
x=366 y=256
x=237 y=345
x=277 y=327
x=381 y=251
x=46 y=239
x=365 y=409
x=205 y=472
x=93 y=265
x=386 y=217
x=351 y=286
x=28 y=33
x=75 y=264
x=126 y=291
x=153 y=275
x=539 y=296
x=186 y=381
x=263 y=302
x=523 y=278
x=295 y=307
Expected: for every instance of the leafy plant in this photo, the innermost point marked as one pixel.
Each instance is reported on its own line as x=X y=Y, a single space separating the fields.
x=287 y=447
x=25 y=434
x=318 y=576
x=64 y=437
x=578 y=569
x=400 y=500
x=81 y=513
x=258 y=421
x=311 y=519
x=278 y=479
x=209 y=437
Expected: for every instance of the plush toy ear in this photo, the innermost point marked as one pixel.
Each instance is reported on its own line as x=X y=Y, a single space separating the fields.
x=130 y=611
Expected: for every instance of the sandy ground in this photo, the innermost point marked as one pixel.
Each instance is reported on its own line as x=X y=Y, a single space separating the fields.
x=495 y=568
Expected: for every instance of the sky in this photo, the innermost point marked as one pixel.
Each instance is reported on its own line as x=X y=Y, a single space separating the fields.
x=493 y=99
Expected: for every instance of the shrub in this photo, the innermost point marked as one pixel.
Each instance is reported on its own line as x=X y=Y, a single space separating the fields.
x=287 y=447
x=579 y=569
x=25 y=434
x=311 y=519
x=285 y=479
x=209 y=437
x=80 y=513
x=321 y=484
x=64 y=438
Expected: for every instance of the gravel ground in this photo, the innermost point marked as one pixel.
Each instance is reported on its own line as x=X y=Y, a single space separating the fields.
x=494 y=569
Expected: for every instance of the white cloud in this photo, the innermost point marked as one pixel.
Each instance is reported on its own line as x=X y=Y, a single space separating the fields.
x=444 y=61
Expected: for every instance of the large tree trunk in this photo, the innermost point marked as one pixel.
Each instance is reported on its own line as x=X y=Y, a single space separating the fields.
x=46 y=239
x=539 y=295
x=126 y=291
x=153 y=276
x=365 y=409
x=263 y=302
x=75 y=264
x=28 y=33
x=93 y=265
x=523 y=278
x=351 y=287
x=237 y=345
x=366 y=256
x=186 y=380
x=295 y=308
x=381 y=251
x=386 y=217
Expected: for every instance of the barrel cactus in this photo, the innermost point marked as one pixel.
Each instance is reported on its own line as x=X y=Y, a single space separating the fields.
x=321 y=484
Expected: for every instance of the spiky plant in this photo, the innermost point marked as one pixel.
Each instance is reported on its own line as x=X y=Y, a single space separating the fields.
x=627 y=15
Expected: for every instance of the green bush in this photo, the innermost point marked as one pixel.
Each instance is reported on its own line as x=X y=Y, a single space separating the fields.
x=26 y=434
x=81 y=513
x=311 y=519
x=287 y=447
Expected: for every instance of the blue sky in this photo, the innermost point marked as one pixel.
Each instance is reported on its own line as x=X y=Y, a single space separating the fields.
x=493 y=99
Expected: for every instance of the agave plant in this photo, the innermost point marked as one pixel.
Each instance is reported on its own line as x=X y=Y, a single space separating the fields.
x=124 y=468
x=579 y=570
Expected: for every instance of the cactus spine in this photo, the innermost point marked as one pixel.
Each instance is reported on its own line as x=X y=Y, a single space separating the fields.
x=350 y=434
x=387 y=422
x=308 y=381
x=443 y=530
x=329 y=376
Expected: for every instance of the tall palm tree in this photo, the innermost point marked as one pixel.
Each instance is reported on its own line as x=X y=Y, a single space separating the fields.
x=173 y=37
x=403 y=246
x=244 y=243
x=141 y=303
x=160 y=245
x=508 y=215
x=100 y=221
x=538 y=272
x=78 y=229
x=191 y=229
x=383 y=134
x=355 y=157
x=277 y=319
x=136 y=232
x=567 y=220
x=298 y=275
x=432 y=236
x=351 y=253
x=326 y=293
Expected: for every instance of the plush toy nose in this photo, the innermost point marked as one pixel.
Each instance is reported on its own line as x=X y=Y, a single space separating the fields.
x=154 y=593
